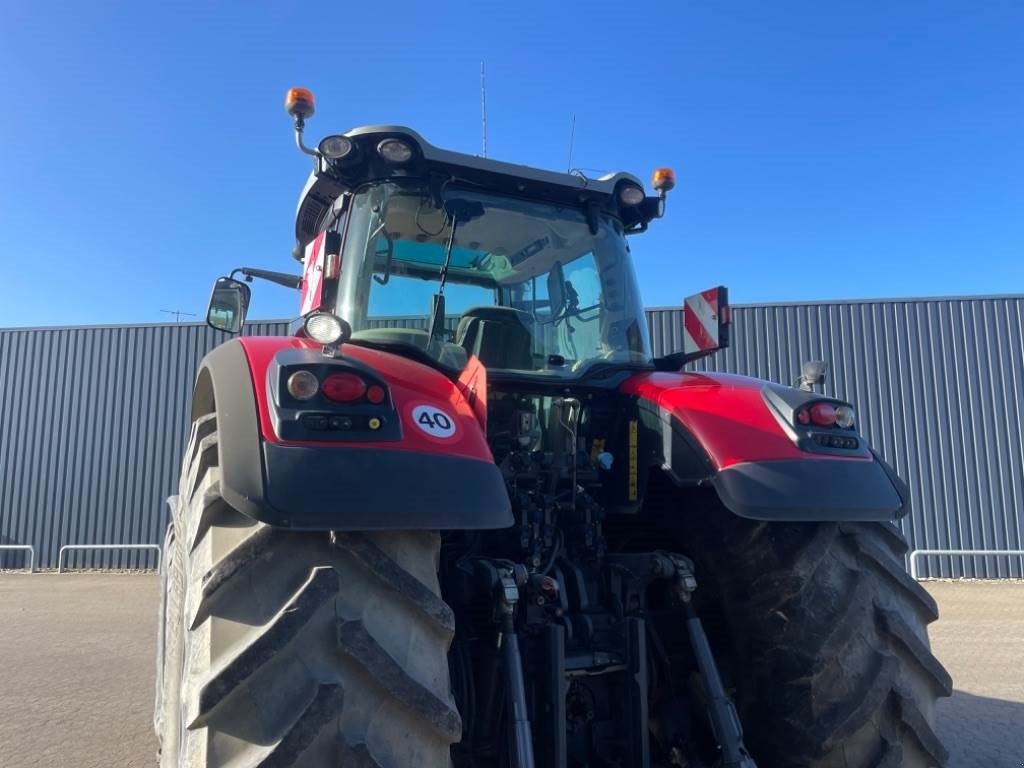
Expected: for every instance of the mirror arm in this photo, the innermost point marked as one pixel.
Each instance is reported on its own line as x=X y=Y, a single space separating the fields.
x=281 y=278
x=676 y=361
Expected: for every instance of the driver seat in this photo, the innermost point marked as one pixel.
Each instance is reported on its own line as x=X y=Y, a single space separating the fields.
x=501 y=337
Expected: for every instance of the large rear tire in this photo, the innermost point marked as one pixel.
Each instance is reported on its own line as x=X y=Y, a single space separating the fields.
x=301 y=649
x=831 y=660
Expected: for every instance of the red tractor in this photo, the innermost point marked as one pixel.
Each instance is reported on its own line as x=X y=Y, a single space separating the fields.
x=463 y=517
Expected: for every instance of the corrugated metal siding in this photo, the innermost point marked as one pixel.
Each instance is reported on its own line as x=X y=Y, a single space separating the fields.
x=939 y=389
x=95 y=421
x=95 y=418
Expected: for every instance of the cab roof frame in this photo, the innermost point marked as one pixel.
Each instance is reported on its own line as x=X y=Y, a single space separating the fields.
x=330 y=179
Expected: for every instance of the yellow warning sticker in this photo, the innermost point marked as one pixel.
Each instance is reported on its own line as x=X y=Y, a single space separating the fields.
x=633 y=461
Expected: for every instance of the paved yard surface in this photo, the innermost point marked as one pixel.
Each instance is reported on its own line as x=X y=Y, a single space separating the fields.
x=980 y=639
x=76 y=671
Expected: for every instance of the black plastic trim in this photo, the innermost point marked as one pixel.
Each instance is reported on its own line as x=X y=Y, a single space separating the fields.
x=293 y=419
x=784 y=402
x=683 y=457
x=813 y=490
x=362 y=489
x=238 y=431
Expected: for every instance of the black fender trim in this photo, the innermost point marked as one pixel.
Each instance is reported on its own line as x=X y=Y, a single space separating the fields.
x=365 y=489
x=813 y=490
x=332 y=487
x=225 y=372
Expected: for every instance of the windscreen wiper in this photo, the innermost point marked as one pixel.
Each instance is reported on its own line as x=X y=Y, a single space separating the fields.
x=458 y=211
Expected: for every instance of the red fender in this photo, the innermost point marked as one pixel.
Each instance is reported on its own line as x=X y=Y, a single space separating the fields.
x=415 y=473
x=725 y=413
x=411 y=384
x=760 y=465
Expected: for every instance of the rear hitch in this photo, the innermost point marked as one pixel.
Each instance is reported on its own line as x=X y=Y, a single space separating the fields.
x=503 y=580
x=725 y=721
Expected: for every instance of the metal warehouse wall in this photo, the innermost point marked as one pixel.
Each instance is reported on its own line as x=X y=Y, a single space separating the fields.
x=95 y=418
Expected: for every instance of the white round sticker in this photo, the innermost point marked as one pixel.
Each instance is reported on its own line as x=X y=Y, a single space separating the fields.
x=433 y=421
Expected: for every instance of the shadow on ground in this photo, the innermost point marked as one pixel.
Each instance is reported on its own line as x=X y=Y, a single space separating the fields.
x=980 y=732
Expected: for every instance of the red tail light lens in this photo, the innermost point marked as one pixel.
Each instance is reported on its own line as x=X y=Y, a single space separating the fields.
x=823 y=414
x=343 y=387
x=375 y=394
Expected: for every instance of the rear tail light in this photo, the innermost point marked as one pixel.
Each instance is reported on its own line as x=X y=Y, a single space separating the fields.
x=823 y=414
x=303 y=385
x=376 y=394
x=845 y=416
x=343 y=387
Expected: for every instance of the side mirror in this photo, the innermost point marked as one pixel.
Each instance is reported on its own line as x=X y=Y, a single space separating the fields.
x=228 y=304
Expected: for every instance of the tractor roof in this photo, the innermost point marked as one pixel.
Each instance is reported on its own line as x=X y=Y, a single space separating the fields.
x=364 y=163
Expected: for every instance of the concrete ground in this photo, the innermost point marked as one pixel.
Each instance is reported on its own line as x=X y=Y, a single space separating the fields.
x=77 y=659
x=980 y=638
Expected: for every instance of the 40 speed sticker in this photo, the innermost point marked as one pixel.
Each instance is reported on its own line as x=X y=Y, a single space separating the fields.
x=433 y=421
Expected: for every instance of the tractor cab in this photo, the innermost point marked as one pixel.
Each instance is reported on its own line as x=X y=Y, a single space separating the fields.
x=445 y=256
x=525 y=285
x=449 y=256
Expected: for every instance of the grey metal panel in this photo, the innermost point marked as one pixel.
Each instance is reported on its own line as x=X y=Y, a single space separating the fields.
x=939 y=389
x=94 y=423
x=94 y=419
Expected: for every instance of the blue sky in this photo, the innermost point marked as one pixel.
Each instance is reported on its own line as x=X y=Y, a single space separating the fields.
x=824 y=150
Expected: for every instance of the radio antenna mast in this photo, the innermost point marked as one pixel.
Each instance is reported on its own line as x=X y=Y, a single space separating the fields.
x=483 y=107
x=178 y=314
x=572 y=137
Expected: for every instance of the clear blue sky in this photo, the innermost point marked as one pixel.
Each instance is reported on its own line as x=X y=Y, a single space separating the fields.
x=824 y=150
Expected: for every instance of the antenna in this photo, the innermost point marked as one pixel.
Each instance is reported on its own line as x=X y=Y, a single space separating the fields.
x=483 y=106
x=572 y=137
x=178 y=314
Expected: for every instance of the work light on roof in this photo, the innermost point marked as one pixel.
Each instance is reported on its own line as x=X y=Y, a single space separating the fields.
x=631 y=195
x=335 y=147
x=395 y=151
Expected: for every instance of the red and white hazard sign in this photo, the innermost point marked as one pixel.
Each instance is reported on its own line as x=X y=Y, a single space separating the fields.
x=702 y=319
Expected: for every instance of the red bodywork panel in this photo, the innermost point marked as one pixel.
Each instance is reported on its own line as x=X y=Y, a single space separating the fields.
x=472 y=384
x=411 y=385
x=725 y=413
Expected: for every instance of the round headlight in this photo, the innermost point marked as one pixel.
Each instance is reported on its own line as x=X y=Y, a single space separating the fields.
x=335 y=147
x=395 y=151
x=631 y=195
x=844 y=416
x=327 y=329
x=302 y=385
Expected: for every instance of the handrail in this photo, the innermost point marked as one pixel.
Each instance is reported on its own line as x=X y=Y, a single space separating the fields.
x=69 y=547
x=27 y=548
x=964 y=552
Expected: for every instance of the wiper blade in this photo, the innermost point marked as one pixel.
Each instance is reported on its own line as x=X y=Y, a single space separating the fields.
x=410 y=351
